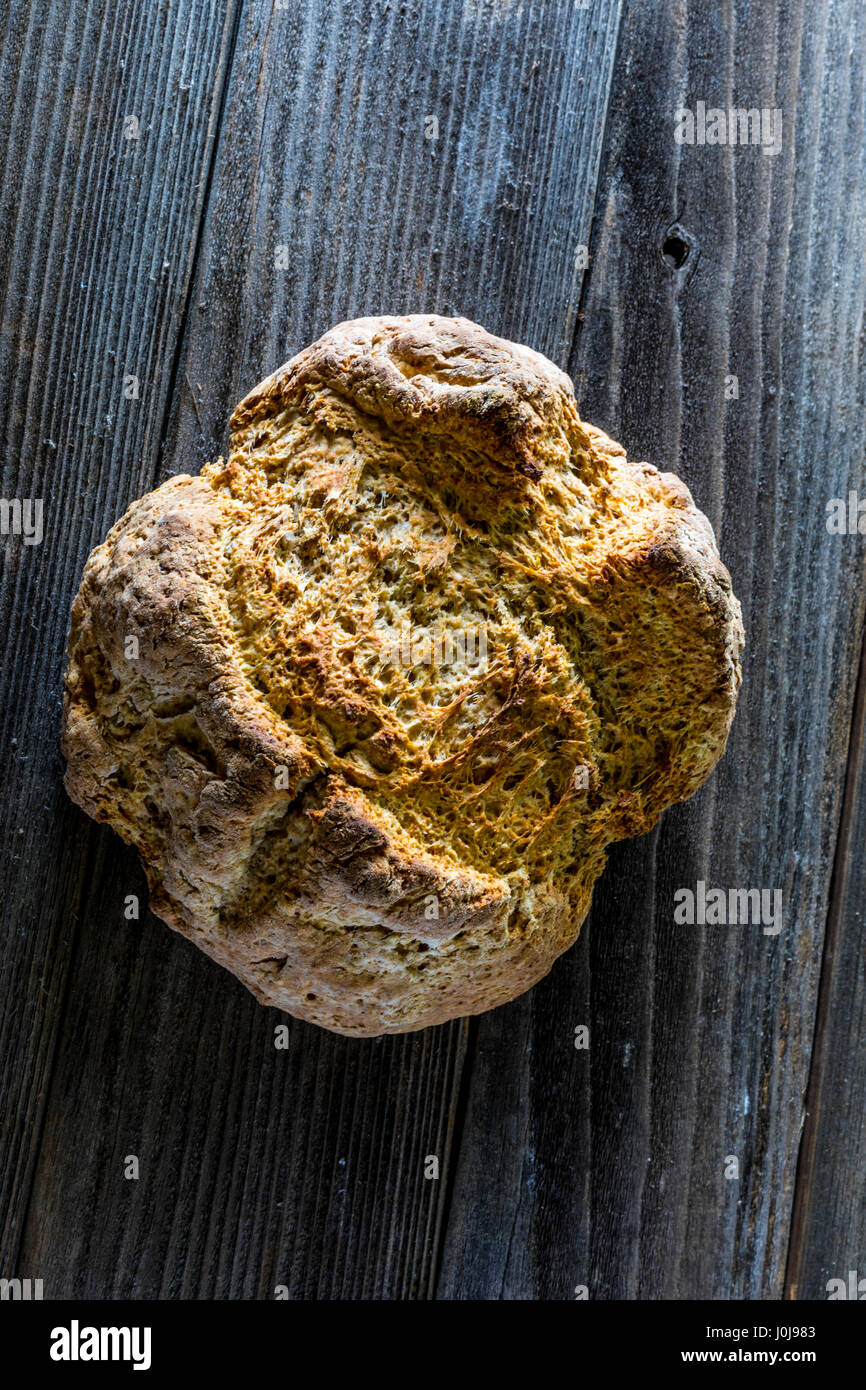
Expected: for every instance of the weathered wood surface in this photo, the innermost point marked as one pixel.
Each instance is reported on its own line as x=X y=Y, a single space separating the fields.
x=99 y=235
x=611 y=1170
x=284 y=177
x=828 y=1238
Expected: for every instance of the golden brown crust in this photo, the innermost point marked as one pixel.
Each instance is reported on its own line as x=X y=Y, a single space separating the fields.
x=275 y=687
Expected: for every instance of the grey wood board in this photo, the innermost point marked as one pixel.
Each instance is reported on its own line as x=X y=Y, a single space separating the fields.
x=828 y=1239
x=605 y=1169
x=99 y=226
x=261 y=1168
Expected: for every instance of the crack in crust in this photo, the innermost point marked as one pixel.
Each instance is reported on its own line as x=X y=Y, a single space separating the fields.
x=373 y=843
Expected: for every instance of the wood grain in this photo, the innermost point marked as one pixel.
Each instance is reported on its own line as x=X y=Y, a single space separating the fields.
x=102 y=233
x=306 y=1169
x=827 y=1240
x=609 y=1164
x=297 y=165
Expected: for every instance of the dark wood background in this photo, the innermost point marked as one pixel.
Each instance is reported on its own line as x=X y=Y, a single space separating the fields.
x=305 y=125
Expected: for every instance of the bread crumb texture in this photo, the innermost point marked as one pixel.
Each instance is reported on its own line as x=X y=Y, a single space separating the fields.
x=372 y=696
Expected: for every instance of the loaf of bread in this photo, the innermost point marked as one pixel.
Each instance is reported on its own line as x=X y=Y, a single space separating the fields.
x=372 y=696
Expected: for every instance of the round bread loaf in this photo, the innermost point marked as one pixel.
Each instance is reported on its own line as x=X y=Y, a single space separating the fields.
x=372 y=696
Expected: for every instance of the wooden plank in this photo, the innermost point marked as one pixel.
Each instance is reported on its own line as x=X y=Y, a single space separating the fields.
x=605 y=1168
x=828 y=1238
x=107 y=117
x=304 y=1168
x=327 y=156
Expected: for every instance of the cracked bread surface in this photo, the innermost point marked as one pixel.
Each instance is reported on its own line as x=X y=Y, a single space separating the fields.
x=372 y=696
